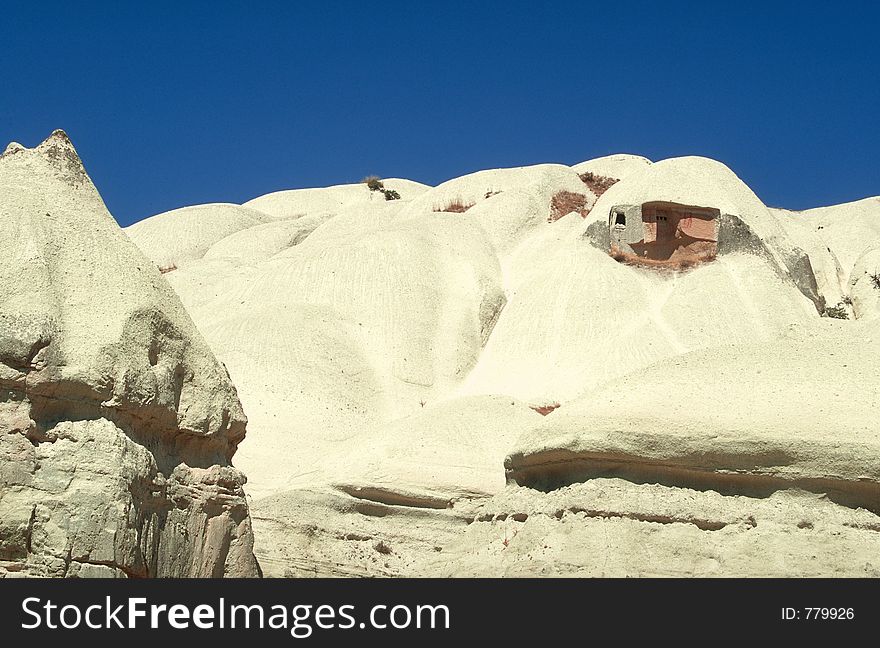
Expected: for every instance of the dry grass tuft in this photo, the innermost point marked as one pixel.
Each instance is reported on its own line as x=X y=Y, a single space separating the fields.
x=456 y=207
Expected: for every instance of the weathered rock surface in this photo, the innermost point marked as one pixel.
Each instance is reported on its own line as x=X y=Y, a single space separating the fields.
x=394 y=358
x=614 y=528
x=509 y=204
x=864 y=285
x=442 y=454
x=294 y=203
x=732 y=419
x=117 y=424
x=616 y=166
x=182 y=235
x=602 y=527
x=359 y=324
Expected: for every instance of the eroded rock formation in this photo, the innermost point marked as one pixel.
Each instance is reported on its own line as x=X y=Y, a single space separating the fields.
x=395 y=358
x=117 y=424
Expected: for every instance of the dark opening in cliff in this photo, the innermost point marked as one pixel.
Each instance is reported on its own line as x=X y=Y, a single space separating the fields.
x=664 y=234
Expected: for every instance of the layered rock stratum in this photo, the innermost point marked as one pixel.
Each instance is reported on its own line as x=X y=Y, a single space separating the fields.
x=117 y=423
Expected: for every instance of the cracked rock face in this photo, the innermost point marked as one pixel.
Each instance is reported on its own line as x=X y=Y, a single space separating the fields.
x=117 y=424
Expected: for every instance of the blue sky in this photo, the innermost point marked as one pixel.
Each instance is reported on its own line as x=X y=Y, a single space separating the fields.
x=177 y=103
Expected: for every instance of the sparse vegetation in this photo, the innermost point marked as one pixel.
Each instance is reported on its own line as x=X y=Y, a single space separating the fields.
x=375 y=184
x=565 y=202
x=836 y=312
x=875 y=279
x=596 y=183
x=457 y=207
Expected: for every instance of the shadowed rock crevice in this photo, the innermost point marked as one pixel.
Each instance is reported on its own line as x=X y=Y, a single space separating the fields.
x=751 y=476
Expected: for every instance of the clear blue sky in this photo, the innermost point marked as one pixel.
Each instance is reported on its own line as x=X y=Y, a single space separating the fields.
x=177 y=103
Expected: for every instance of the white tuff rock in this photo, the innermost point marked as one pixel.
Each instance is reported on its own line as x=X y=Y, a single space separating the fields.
x=117 y=424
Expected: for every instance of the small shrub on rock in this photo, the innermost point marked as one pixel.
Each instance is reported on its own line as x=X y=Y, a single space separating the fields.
x=373 y=182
